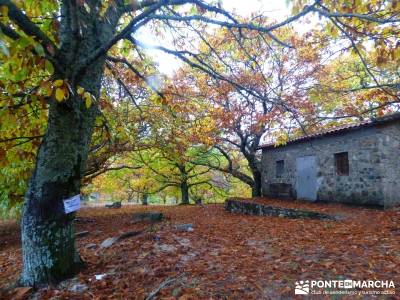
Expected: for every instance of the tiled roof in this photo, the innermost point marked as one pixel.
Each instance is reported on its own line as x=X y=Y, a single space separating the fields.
x=338 y=130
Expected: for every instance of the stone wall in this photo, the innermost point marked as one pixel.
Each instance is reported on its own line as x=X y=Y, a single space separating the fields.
x=390 y=162
x=374 y=173
x=247 y=207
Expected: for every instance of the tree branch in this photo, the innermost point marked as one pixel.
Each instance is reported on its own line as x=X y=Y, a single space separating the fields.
x=90 y=175
x=30 y=28
x=366 y=17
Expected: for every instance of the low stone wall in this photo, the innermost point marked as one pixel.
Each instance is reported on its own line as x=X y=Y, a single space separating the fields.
x=257 y=209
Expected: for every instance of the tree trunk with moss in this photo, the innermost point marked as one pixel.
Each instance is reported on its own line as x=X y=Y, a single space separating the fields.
x=48 y=245
x=49 y=252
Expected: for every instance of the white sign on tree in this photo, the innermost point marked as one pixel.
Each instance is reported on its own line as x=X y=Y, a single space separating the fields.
x=72 y=204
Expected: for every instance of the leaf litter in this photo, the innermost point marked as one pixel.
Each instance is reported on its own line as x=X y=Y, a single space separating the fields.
x=226 y=256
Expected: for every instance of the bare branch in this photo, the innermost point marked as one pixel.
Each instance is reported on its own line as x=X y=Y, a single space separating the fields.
x=366 y=17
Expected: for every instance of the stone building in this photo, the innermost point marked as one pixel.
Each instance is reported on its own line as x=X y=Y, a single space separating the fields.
x=357 y=164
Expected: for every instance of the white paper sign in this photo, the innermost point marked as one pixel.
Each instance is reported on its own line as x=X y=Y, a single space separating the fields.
x=72 y=204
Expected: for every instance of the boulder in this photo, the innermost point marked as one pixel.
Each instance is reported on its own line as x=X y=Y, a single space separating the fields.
x=109 y=242
x=165 y=248
x=78 y=288
x=114 y=205
x=184 y=227
x=148 y=216
x=112 y=240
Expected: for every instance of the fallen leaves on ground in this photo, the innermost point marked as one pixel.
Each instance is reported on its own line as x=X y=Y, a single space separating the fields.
x=228 y=256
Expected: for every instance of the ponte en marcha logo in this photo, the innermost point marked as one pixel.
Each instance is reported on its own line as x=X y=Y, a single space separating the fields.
x=347 y=286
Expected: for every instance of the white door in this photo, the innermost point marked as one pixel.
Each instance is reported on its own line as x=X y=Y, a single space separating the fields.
x=306 y=182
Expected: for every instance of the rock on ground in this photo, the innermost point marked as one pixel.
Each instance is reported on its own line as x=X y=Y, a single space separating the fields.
x=109 y=242
x=148 y=216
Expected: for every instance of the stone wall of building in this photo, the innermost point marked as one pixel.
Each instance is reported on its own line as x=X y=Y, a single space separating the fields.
x=374 y=167
x=390 y=162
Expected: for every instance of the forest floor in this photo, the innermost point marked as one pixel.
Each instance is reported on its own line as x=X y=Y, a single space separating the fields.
x=226 y=256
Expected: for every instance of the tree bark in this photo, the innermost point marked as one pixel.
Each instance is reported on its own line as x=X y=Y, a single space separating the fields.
x=145 y=199
x=249 y=150
x=256 y=187
x=184 y=193
x=49 y=251
x=48 y=245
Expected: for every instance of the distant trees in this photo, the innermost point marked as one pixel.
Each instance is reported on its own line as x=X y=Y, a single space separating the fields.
x=269 y=93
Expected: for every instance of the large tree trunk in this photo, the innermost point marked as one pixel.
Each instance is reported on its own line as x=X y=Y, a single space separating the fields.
x=49 y=253
x=256 y=187
x=254 y=165
x=48 y=245
x=184 y=193
x=145 y=199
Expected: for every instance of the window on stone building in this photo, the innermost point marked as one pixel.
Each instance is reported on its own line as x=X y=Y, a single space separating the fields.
x=280 y=168
x=342 y=163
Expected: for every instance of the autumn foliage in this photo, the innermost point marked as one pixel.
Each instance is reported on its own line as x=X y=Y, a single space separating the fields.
x=84 y=108
x=226 y=256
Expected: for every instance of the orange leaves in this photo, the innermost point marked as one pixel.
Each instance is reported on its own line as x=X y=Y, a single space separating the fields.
x=268 y=80
x=227 y=255
x=181 y=120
